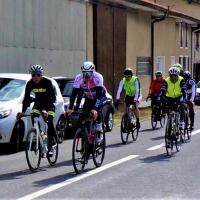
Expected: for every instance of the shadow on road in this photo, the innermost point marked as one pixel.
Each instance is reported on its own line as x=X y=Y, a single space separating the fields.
x=158 y=138
x=117 y=145
x=20 y=174
x=156 y=158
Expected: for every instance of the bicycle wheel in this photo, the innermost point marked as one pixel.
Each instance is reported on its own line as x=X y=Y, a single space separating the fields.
x=153 y=118
x=99 y=151
x=135 y=134
x=168 y=138
x=33 y=154
x=79 y=150
x=53 y=159
x=162 y=120
x=124 y=128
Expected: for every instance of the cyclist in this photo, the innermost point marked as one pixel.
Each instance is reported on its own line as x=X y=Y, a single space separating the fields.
x=131 y=85
x=43 y=92
x=180 y=67
x=191 y=90
x=90 y=84
x=155 y=88
x=174 y=89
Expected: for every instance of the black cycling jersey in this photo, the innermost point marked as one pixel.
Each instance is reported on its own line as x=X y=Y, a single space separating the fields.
x=44 y=94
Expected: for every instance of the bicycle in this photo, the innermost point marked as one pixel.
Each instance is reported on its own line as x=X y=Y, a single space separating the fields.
x=35 y=149
x=85 y=144
x=157 y=115
x=128 y=126
x=173 y=135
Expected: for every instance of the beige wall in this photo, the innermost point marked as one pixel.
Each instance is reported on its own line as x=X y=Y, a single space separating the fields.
x=167 y=42
x=89 y=31
x=192 y=9
x=139 y=43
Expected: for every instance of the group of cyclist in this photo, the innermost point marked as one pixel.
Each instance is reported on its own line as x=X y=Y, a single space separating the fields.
x=177 y=87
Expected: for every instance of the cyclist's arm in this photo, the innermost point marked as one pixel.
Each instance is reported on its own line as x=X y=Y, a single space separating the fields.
x=27 y=99
x=183 y=88
x=163 y=90
x=151 y=89
x=79 y=98
x=120 y=87
x=193 y=90
x=52 y=93
x=73 y=96
x=137 y=90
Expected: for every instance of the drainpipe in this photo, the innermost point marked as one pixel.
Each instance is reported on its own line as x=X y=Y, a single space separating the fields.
x=193 y=51
x=155 y=20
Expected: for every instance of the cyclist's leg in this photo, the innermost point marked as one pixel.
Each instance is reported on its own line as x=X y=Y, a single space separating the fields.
x=182 y=113
x=136 y=112
x=52 y=136
x=191 y=115
x=35 y=112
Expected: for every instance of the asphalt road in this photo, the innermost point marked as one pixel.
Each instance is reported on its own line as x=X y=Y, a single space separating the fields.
x=137 y=170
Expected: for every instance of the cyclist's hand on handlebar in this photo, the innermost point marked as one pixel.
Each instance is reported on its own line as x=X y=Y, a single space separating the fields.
x=45 y=114
x=68 y=112
x=116 y=103
x=19 y=115
x=94 y=114
x=148 y=98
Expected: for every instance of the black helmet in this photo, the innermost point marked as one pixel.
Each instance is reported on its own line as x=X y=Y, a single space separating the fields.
x=128 y=72
x=158 y=73
x=187 y=75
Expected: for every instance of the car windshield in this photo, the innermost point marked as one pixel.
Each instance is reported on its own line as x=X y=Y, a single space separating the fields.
x=67 y=91
x=198 y=85
x=11 y=88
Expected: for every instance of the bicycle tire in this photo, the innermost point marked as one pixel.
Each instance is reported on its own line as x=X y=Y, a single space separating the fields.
x=163 y=120
x=52 y=160
x=80 y=145
x=124 y=128
x=30 y=146
x=168 y=140
x=98 y=153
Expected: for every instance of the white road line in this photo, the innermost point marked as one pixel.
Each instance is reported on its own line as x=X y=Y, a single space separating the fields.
x=75 y=179
x=156 y=147
x=163 y=144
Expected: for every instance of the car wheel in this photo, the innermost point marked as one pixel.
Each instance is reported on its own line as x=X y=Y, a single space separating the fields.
x=60 y=129
x=17 y=137
x=109 y=121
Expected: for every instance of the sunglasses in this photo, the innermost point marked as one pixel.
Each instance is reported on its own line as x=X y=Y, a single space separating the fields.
x=128 y=76
x=87 y=74
x=38 y=75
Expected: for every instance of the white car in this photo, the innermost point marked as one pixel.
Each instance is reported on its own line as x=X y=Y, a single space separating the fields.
x=12 y=89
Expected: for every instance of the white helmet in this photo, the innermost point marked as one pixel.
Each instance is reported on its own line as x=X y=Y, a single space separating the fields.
x=174 y=71
x=88 y=67
x=36 y=69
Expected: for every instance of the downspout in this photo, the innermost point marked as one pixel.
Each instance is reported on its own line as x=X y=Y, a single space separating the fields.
x=155 y=20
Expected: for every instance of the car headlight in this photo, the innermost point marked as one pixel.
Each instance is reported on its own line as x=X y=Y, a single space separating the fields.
x=5 y=113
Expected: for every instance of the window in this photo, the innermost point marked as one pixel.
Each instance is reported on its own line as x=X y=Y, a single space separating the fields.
x=184 y=61
x=160 y=64
x=173 y=60
x=183 y=35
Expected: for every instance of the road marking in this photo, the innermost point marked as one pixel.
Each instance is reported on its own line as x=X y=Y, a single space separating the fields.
x=156 y=147
x=195 y=132
x=75 y=179
x=163 y=144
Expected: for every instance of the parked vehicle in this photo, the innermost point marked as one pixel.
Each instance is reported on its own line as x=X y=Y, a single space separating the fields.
x=12 y=89
x=197 y=97
x=66 y=87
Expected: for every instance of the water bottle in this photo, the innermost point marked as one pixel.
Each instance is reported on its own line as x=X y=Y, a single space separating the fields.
x=45 y=141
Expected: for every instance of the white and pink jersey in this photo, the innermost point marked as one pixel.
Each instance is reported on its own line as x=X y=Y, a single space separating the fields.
x=89 y=87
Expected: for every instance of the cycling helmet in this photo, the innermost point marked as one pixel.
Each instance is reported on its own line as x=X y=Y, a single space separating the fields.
x=174 y=71
x=36 y=69
x=187 y=75
x=128 y=72
x=158 y=73
x=88 y=67
x=178 y=65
